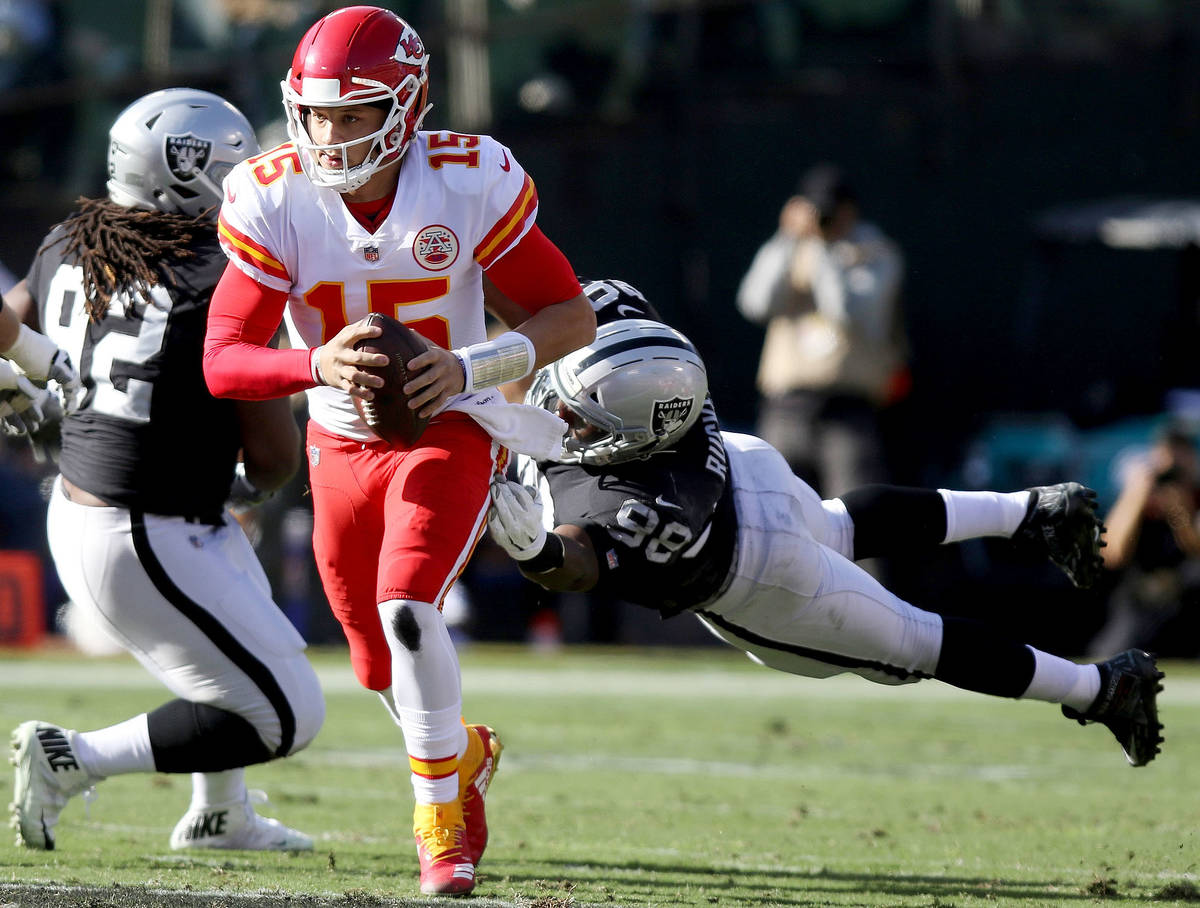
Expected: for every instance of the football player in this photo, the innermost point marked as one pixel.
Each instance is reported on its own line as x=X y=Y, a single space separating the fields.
x=364 y=211
x=652 y=503
x=137 y=523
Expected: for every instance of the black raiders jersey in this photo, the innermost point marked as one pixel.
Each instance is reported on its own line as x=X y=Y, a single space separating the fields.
x=147 y=435
x=663 y=527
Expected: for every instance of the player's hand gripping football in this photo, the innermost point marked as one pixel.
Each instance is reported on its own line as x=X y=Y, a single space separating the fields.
x=341 y=366
x=438 y=376
x=515 y=519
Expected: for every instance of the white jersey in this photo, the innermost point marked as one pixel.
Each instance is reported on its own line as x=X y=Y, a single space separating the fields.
x=462 y=202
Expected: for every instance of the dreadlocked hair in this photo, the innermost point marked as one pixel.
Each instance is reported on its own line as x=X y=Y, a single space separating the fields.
x=128 y=250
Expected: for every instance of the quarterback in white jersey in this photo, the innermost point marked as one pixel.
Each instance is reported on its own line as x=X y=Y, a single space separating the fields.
x=363 y=212
x=466 y=202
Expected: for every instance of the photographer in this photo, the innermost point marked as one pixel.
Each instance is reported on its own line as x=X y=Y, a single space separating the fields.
x=1154 y=542
x=827 y=287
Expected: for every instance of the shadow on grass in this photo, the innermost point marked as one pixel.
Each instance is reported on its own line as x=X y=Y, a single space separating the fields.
x=814 y=887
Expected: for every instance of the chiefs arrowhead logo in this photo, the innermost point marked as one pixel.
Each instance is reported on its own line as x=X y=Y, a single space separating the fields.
x=409 y=49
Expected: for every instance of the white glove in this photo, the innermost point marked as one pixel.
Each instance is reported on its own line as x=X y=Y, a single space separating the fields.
x=515 y=519
x=21 y=402
x=63 y=372
x=43 y=361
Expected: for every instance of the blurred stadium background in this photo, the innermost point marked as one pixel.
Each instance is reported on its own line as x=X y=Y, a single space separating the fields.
x=1036 y=160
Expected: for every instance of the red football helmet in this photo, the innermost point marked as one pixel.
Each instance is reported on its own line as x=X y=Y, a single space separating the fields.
x=358 y=55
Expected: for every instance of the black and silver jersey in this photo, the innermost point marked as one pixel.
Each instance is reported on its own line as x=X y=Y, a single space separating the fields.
x=663 y=527
x=147 y=435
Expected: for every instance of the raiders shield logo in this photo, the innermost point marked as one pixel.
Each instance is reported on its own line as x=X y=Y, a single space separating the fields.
x=187 y=155
x=670 y=415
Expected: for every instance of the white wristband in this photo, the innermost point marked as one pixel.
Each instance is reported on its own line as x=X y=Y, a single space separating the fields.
x=33 y=352
x=503 y=359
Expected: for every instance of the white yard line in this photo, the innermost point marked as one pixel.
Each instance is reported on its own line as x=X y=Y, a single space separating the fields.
x=705 y=683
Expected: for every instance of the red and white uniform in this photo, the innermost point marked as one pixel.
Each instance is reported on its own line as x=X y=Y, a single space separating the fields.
x=390 y=523
x=462 y=202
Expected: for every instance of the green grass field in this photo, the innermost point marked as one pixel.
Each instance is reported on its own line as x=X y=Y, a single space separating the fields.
x=655 y=778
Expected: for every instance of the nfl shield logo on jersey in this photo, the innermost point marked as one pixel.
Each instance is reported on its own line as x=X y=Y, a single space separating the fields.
x=186 y=155
x=669 y=415
x=371 y=253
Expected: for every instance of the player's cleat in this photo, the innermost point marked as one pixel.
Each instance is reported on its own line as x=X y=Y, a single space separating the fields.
x=442 y=850
x=47 y=776
x=1127 y=704
x=1061 y=523
x=235 y=826
x=476 y=770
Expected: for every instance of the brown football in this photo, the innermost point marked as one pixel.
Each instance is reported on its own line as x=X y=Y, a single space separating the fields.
x=388 y=415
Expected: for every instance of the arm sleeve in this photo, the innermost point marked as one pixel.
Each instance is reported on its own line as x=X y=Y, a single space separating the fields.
x=242 y=318
x=534 y=273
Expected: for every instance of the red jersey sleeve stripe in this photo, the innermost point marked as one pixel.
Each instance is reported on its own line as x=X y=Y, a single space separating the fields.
x=508 y=227
x=240 y=245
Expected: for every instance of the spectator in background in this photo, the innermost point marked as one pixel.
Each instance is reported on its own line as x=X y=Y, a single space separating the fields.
x=827 y=287
x=1153 y=541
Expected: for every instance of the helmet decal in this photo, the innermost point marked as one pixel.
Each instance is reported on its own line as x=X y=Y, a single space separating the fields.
x=670 y=415
x=186 y=155
x=409 y=49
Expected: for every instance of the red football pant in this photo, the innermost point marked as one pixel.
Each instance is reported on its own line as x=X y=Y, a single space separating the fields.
x=394 y=523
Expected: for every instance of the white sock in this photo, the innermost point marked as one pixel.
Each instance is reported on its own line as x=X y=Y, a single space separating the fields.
x=427 y=695
x=389 y=703
x=210 y=788
x=973 y=514
x=1058 y=680
x=116 y=750
x=435 y=741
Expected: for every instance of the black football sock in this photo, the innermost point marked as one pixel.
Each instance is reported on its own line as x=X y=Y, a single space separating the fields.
x=194 y=737
x=975 y=657
x=892 y=520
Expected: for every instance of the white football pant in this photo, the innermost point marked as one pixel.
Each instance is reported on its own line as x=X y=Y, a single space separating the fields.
x=191 y=602
x=796 y=602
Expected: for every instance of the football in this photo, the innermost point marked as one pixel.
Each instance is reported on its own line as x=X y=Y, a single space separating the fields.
x=388 y=415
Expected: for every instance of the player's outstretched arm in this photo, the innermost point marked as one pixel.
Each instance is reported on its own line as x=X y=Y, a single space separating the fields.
x=562 y=560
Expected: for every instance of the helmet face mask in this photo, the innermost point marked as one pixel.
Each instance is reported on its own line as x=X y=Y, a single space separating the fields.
x=354 y=56
x=635 y=390
x=171 y=149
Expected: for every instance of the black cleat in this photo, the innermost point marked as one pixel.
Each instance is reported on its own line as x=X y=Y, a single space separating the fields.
x=1127 y=704
x=1061 y=523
